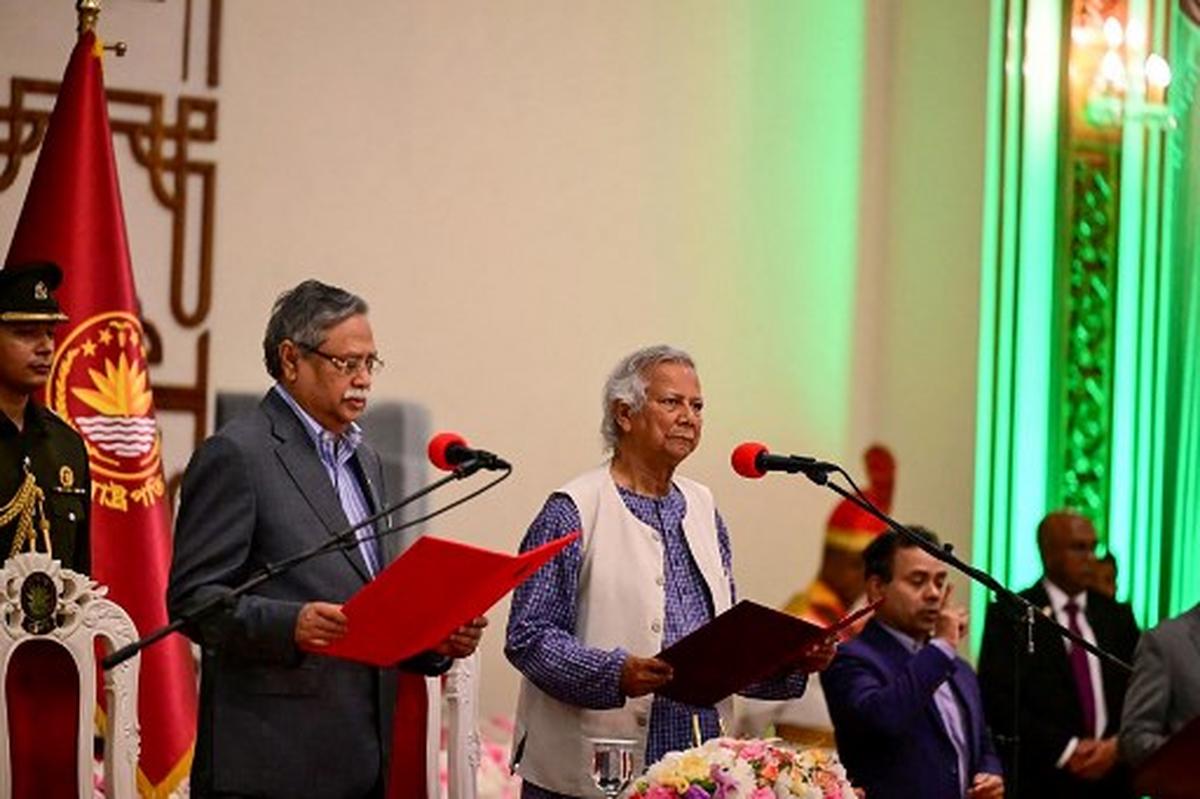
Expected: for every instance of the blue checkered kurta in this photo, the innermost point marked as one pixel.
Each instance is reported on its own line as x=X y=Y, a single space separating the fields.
x=541 y=640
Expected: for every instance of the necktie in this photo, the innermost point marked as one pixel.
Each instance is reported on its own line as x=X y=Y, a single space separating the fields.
x=1083 y=675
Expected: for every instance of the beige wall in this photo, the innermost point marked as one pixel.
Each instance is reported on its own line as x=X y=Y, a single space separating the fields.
x=929 y=282
x=526 y=191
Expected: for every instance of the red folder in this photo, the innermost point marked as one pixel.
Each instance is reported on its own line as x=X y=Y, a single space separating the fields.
x=745 y=644
x=429 y=591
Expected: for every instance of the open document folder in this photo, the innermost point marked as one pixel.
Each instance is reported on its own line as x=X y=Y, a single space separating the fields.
x=434 y=587
x=745 y=644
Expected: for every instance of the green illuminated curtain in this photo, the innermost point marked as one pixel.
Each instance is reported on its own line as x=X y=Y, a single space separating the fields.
x=1090 y=311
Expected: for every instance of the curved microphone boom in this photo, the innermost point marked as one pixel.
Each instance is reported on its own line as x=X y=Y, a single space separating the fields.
x=752 y=460
x=450 y=451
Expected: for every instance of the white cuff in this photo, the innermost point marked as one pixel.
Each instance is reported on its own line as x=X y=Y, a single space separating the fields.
x=1068 y=750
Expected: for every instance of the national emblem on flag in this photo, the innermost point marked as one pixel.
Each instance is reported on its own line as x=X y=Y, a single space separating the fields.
x=100 y=382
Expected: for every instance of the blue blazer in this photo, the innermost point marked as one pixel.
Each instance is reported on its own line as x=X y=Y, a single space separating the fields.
x=890 y=735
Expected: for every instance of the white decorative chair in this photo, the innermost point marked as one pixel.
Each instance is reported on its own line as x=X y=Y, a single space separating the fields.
x=462 y=730
x=42 y=601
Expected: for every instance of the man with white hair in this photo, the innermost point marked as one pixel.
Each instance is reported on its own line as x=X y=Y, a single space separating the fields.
x=652 y=565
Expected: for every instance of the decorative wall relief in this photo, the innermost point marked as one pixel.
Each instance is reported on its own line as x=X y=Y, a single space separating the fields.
x=167 y=137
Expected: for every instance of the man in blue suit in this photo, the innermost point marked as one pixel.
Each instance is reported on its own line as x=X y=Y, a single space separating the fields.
x=906 y=710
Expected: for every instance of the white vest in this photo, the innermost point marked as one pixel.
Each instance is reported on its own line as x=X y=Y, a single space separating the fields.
x=621 y=603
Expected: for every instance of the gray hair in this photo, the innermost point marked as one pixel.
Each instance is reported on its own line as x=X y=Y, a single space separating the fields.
x=627 y=384
x=303 y=315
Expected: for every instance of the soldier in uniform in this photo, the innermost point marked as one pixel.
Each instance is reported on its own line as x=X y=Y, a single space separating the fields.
x=45 y=492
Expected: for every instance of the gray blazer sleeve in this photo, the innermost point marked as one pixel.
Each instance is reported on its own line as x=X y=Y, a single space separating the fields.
x=213 y=538
x=1144 y=719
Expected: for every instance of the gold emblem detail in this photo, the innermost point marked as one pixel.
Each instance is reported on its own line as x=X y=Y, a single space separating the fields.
x=66 y=477
x=40 y=292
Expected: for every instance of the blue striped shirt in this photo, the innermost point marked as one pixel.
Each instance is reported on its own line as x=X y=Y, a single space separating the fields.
x=335 y=452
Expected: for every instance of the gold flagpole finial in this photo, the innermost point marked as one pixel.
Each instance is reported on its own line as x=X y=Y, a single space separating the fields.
x=88 y=11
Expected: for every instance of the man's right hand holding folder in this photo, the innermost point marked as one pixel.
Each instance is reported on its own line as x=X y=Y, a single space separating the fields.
x=640 y=676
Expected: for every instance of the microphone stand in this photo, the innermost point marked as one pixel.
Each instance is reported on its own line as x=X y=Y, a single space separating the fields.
x=343 y=539
x=1027 y=615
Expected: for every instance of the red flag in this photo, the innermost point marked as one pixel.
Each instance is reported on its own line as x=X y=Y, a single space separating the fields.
x=100 y=383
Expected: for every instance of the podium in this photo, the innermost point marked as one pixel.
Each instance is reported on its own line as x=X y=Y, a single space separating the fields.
x=46 y=607
x=1171 y=771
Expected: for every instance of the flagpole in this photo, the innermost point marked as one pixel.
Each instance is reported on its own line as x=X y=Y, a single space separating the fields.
x=88 y=11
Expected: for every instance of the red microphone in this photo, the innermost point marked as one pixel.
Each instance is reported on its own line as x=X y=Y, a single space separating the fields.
x=745 y=459
x=753 y=460
x=447 y=451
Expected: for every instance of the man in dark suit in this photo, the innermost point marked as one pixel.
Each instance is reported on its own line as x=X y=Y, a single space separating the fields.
x=906 y=710
x=278 y=718
x=1070 y=702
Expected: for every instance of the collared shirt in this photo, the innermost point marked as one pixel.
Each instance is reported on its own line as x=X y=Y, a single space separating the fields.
x=541 y=640
x=1058 y=605
x=947 y=704
x=335 y=452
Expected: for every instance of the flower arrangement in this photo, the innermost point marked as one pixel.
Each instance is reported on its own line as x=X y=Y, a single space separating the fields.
x=730 y=768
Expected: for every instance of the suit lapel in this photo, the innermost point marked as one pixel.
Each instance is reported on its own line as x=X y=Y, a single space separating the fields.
x=380 y=527
x=972 y=713
x=1054 y=645
x=887 y=645
x=898 y=656
x=299 y=458
x=1101 y=624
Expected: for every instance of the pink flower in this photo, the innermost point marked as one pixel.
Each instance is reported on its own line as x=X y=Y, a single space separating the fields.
x=753 y=750
x=660 y=792
x=763 y=793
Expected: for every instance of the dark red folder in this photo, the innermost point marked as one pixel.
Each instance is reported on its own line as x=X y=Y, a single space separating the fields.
x=1170 y=772
x=433 y=588
x=745 y=644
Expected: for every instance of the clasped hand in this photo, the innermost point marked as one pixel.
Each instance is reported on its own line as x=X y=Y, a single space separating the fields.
x=1093 y=758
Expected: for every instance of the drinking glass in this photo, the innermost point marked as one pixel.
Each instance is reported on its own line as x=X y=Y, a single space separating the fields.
x=612 y=764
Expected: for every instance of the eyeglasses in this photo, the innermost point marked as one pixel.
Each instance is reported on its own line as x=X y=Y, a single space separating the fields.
x=349 y=366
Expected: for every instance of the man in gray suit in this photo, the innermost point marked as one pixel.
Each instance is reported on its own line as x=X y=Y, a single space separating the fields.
x=1164 y=693
x=278 y=718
